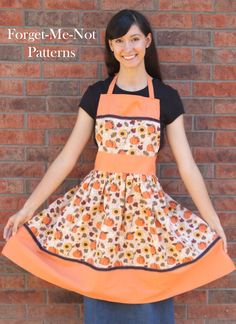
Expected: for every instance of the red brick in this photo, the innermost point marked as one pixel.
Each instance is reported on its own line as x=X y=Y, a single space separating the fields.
x=225 y=203
x=47 y=154
x=189 y=321
x=232 y=250
x=58 y=137
x=34 y=282
x=11 y=153
x=198 y=106
x=51 y=121
x=62 y=104
x=222 y=72
x=168 y=171
x=45 y=87
x=11 y=186
x=160 y=20
x=230 y=235
x=22 y=297
x=89 y=154
x=212 y=311
x=12 y=203
x=12 y=311
x=11 y=18
x=227 y=219
x=187 y=5
x=114 y=5
x=19 y=70
x=215 y=122
x=184 y=38
x=215 y=21
x=25 y=104
x=52 y=311
x=12 y=281
x=52 y=18
x=219 y=187
x=225 y=139
x=211 y=89
x=62 y=296
x=27 y=169
x=213 y=55
x=192 y=297
x=179 y=55
x=76 y=320
x=225 y=171
x=24 y=321
x=94 y=20
x=23 y=4
x=11 y=121
x=213 y=155
x=224 y=38
x=91 y=54
x=12 y=52
x=70 y=70
x=179 y=311
x=72 y=4
x=186 y=71
x=21 y=137
x=11 y=87
x=225 y=106
x=226 y=5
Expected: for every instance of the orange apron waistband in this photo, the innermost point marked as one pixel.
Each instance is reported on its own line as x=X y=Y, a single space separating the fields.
x=125 y=163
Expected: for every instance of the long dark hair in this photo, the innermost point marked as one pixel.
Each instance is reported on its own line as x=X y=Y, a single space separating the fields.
x=118 y=26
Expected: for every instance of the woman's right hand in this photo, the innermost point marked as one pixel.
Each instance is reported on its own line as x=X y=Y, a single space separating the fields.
x=15 y=221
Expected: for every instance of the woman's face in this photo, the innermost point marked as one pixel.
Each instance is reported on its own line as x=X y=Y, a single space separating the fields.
x=130 y=49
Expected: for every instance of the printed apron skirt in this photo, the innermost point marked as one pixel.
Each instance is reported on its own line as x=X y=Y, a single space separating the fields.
x=117 y=236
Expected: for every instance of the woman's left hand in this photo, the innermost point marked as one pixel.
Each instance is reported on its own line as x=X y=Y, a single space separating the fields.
x=220 y=231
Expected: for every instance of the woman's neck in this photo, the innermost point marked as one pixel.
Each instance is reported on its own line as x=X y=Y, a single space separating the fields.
x=132 y=81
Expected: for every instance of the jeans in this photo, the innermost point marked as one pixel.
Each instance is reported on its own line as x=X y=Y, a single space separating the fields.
x=98 y=311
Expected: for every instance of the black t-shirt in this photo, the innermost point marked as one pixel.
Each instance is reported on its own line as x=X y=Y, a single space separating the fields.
x=171 y=105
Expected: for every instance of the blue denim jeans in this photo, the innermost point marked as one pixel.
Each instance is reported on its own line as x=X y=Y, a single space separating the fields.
x=98 y=311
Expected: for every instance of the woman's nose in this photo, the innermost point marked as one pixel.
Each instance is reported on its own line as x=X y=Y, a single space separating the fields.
x=127 y=45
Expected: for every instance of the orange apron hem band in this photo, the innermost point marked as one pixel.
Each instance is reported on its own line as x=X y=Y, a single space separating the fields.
x=129 y=286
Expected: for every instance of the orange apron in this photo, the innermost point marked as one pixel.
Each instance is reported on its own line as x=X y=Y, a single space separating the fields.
x=117 y=236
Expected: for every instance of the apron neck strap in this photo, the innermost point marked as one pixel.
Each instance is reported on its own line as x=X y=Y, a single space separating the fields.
x=150 y=85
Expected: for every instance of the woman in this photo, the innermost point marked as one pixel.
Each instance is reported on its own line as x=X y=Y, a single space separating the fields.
x=117 y=238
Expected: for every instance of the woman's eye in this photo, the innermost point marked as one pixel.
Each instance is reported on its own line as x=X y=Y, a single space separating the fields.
x=135 y=39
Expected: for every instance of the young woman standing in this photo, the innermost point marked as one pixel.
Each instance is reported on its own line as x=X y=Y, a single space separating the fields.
x=117 y=238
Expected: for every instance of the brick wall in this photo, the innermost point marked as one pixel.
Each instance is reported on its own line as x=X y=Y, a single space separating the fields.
x=38 y=104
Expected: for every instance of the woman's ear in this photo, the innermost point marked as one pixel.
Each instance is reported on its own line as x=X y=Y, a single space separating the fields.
x=110 y=44
x=149 y=39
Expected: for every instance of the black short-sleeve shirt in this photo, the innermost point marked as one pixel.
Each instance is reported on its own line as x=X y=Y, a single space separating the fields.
x=171 y=105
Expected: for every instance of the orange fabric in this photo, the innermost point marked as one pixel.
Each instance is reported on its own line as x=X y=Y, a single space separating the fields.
x=125 y=163
x=119 y=285
x=124 y=105
x=126 y=284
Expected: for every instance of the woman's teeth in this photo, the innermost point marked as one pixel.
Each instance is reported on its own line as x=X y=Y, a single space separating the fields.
x=129 y=57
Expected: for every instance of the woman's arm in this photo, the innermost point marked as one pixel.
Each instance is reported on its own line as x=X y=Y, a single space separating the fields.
x=190 y=173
